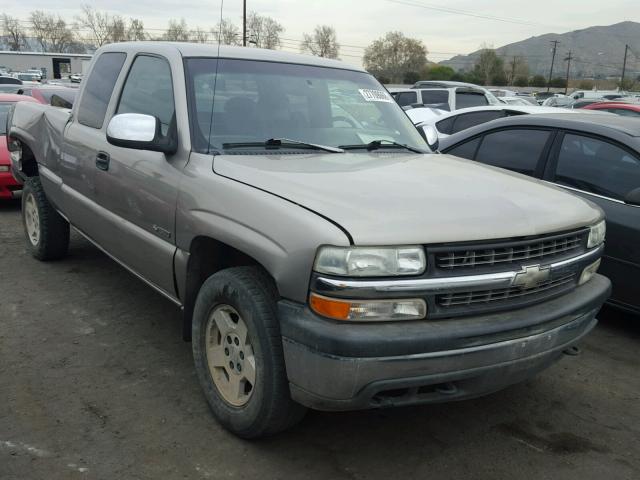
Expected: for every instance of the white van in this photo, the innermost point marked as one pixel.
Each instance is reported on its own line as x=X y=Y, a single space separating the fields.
x=578 y=94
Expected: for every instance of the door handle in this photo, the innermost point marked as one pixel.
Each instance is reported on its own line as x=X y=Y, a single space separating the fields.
x=102 y=161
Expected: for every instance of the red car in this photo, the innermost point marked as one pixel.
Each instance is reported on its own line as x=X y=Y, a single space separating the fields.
x=625 y=109
x=8 y=184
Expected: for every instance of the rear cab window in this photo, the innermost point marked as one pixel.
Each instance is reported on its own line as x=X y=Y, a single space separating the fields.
x=406 y=98
x=99 y=88
x=469 y=98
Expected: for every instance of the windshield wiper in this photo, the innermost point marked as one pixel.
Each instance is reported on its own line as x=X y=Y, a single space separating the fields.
x=377 y=144
x=283 y=143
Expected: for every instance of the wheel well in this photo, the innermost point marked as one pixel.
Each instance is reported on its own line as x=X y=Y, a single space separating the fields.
x=29 y=162
x=206 y=257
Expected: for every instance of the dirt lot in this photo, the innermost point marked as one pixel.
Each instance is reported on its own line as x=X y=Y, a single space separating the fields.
x=95 y=382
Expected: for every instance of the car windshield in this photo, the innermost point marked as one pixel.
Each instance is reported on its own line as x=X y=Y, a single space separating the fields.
x=4 y=110
x=253 y=101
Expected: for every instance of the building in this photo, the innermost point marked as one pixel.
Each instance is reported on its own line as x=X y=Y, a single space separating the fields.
x=52 y=65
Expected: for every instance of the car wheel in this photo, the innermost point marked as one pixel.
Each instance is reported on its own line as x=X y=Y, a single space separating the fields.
x=46 y=231
x=237 y=349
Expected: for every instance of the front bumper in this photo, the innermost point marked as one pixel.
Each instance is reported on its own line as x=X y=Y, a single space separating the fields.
x=347 y=366
x=9 y=187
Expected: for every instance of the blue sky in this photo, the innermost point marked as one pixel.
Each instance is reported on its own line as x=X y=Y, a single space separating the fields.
x=358 y=22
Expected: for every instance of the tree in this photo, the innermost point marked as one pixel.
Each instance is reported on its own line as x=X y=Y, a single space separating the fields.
x=177 y=31
x=516 y=66
x=322 y=43
x=227 y=33
x=489 y=66
x=136 y=32
x=118 y=31
x=558 y=82
x=51 y=31
x=264 y=32
x=393 y=56
x=538 y=81
x=200 y=36
x=440 y=72
x=13 y=32
x=97 y=22
x=521 y=81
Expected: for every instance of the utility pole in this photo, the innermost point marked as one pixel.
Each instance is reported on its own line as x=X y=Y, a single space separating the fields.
x=244 y=23
x=513 y=70
x=624 y=67
x=568 y=60
x=553 y=59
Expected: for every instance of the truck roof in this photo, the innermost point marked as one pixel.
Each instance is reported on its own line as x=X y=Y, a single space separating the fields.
x=227 y=51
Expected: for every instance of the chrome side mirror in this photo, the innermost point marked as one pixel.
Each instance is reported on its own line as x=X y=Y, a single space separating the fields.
x=431 y=135
x=140 y=132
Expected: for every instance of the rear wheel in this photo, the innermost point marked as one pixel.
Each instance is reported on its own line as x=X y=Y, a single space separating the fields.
x=46 y=231
x=237 y=351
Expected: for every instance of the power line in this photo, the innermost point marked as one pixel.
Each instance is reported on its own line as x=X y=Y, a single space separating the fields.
x=467 y=13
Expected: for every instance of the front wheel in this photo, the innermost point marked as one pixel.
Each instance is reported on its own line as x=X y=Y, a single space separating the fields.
x=46 y=231
x=238 y=355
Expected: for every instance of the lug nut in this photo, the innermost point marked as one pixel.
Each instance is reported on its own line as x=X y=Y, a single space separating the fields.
x=241 y=355
x=231 y=365
x=237 y=341
x=226 y=352
x=239 y=367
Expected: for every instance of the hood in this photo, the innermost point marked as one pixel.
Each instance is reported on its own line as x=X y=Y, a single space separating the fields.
x=400 y=198
x=5 y=159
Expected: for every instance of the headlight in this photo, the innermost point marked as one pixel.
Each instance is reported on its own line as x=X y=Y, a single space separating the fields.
x=370 y=261
x=596 y=234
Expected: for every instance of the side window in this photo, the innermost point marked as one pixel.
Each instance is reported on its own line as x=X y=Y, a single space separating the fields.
x=98 y=89
x=466 y=149
x=470 y=99
x=149 y=90
x=446 y=125
x=624 y=112
x=516 y=149
x=406 y=98
x=468 y=120
x=597 y=166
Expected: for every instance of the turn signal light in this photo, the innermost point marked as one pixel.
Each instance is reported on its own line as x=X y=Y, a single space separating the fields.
x=368 y=310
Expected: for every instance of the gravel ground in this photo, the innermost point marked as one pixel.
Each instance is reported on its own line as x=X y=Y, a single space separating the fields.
x=95 y=382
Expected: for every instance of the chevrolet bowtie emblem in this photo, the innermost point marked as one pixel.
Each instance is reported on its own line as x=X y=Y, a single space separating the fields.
x=532 y=276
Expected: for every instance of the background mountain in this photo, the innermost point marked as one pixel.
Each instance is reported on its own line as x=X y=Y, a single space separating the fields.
x=598 y=52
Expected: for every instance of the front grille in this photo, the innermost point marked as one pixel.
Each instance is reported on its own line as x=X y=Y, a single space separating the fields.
x=506 y=253
x=499 y=295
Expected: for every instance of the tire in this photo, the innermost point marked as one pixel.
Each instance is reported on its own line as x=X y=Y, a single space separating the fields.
x=46 y=232
x=236 y=296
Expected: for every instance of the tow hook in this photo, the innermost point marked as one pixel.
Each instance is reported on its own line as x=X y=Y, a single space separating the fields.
x=572 y=350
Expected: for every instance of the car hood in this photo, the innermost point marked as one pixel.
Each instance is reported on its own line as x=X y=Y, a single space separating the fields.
x=4 y=151
x=401 y=198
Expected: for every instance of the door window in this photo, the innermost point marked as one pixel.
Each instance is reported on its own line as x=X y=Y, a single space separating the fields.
x=468 y=120
x=516 y=149
x=624 y=112
x=466 y=149
x=436 y=97
x=597 y=166
x=98 y=89
x=149 y=90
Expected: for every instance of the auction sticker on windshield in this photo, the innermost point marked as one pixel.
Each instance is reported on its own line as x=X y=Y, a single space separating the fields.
x=375 y=95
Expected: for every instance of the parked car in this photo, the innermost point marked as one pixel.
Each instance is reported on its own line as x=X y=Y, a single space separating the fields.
x=519 y=100
x=501 y=92
x=28 y=77
x=443 y=95
x=56 y=96
x=75 y=77
x=597 y=158
x=624 y=109
x=580 y=104
x=558 y=101
x=316 y=263
x=5 y=80
x=594 y=94
x=542 y=96
x=9 y=187
x=447 y=123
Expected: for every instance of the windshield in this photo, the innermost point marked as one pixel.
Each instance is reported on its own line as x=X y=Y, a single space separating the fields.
x=256 y=101
x=4 y=111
